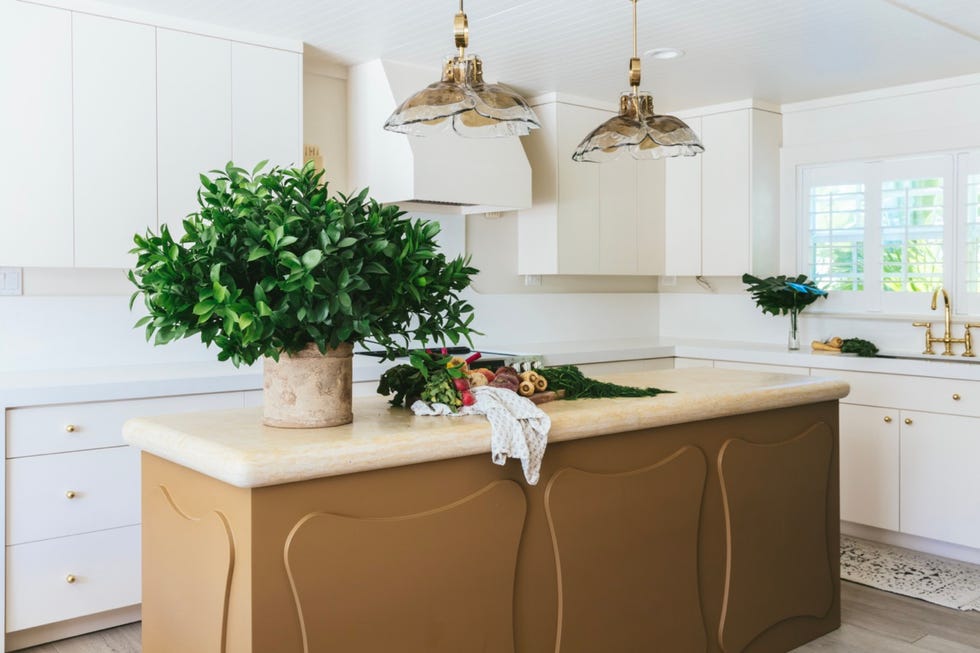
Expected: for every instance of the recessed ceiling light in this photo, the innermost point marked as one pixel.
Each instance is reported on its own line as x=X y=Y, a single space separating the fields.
x=664 y=53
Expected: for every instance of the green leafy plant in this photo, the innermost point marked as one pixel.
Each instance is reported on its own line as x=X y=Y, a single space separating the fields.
x=271 y=262
x=782 y=295
x=864 y=348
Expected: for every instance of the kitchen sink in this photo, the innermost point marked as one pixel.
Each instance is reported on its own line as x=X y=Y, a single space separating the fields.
x=926 y=357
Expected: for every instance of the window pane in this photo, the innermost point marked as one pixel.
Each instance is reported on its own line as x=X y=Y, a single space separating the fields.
x=912 y=234
x=837 y=236
x=972 y=249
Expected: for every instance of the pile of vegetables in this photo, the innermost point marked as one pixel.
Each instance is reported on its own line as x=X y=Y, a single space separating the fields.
x=448 y=380
x=437 y=378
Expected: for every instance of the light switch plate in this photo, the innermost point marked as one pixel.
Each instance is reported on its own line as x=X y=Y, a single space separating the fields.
x=11 y=281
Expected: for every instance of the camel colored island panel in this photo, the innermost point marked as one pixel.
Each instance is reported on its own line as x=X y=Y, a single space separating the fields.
x=705 y=520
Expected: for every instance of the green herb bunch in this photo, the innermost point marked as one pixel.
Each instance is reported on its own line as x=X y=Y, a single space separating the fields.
x=578 y=386
x=271 y=262
x=781 y=295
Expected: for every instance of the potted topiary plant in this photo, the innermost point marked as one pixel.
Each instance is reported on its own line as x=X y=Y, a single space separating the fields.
x=272 y=267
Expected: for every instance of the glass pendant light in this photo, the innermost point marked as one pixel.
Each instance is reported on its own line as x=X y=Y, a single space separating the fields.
x=637 y=129
x=461 y=102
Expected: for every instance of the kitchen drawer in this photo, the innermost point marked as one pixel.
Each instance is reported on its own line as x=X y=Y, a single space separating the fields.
x=69 y=493
x=911 y=392
x=104 y=565
x=758 y=367
x=72 y=427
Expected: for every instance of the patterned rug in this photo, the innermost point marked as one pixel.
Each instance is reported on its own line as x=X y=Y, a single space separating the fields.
x=945 y=582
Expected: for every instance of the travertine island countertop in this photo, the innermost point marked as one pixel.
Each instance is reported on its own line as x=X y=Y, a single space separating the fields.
x=233 y=446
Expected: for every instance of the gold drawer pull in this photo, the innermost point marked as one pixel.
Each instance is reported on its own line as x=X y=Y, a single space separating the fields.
x=956 y=397
x=70 y=428
x=70 y=578
x=70 y=494
x=888 y=419
x=908 y=420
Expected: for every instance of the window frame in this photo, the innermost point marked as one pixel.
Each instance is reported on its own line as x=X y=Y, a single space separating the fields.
x=954 y=167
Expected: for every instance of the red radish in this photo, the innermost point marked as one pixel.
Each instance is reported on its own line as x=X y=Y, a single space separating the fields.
x=462 y=385
x=468 y=398
x=444 y=351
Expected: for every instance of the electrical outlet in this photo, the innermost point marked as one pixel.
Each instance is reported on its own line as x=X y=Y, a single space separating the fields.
x=668 y=282
x=11 y=281
x=532 y=279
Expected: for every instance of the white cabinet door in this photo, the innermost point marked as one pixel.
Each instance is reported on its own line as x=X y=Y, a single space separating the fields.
x=726 y=183
x=115 y=138
x=578 y=193
x=940 y=485
x=682 y=213
x=869 y=466
x=267 y=96
x=650 y=190
x=194 y=118
x=617 y=216
x=36 y=133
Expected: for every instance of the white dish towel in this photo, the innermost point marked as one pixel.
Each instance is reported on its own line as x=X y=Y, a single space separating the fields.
x=518 y=428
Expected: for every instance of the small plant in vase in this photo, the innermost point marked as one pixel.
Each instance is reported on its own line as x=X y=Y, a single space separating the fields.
x=272 y=267
x=784 y=295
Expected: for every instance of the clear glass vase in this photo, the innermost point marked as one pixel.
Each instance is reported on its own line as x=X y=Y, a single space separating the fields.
x=794 y=333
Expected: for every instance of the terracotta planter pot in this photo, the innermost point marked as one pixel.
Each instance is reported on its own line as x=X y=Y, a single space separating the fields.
x=309 y=389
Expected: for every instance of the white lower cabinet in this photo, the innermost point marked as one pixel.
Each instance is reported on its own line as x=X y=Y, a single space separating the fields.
x=909 y=452
x=73 y=509
x=940 y=485
x=68 y=577
x=869 y=466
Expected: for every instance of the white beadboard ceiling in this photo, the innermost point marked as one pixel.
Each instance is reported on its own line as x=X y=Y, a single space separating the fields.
x=776 y=50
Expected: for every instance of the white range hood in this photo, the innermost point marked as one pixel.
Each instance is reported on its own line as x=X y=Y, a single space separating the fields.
x=443 y=173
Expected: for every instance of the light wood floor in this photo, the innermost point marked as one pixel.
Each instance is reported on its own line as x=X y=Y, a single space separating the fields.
x=874 y=622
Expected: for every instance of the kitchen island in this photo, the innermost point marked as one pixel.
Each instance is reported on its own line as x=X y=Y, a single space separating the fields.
x=705 y=520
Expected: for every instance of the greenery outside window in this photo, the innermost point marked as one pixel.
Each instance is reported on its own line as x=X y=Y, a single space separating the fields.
x=883 y=235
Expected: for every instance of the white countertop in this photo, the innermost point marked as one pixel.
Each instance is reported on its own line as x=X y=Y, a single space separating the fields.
x=233 y=445
x=105 y=384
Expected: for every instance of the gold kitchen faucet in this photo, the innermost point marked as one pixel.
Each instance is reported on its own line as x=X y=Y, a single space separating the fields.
x=947 y=338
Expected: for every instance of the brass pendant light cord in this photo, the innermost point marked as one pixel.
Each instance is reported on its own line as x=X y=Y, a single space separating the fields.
x=635 y=63
x=634 y=26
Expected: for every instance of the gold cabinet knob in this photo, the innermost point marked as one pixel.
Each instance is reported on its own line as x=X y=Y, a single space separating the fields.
x=908 y=420
x=956 y=397
x=888 y=419
x=70 y=578
x=70 y=494
x=70 y=428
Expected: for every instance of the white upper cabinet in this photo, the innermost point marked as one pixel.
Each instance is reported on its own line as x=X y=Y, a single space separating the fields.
x=586 y=218
x=110 y=122
x=114 y=66
x=193 y=118
x=36 y=133
x=721 y=216
x=267 y=94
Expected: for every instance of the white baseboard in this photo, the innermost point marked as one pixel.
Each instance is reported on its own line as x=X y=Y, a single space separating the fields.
x=71 y=628
x=925 y=545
